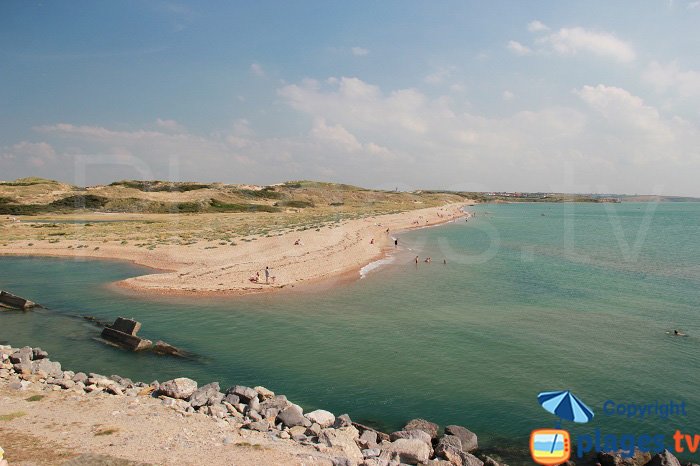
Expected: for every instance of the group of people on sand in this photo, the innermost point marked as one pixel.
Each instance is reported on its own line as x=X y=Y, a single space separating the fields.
x=268 y=277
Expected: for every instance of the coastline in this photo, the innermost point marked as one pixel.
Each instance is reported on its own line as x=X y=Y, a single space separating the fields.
x=329 y=254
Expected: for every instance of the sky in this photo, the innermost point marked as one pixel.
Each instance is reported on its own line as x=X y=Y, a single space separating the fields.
x=572 y=96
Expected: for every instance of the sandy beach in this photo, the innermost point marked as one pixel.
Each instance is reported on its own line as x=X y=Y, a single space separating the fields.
x=214 y=267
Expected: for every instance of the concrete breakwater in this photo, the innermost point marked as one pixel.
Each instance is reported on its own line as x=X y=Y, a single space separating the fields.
x=333 y=440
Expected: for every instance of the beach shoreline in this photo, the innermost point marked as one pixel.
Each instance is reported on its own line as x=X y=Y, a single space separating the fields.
x=329 y=255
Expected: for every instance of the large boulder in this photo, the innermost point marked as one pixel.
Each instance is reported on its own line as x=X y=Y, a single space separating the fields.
x=25 y=354
x=343 y=439
x=470 y=460
x=321 y=417
x=411 y=435
x=468 y=438
x=426 y=426
x=450 y=448
x=411 y=451
x=293 y=416
x=44 y=366
x=664 y=458
x=246 y=393
x=180 y=388
x=203 y=394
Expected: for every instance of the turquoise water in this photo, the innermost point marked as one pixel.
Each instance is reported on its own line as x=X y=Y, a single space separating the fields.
x=534 y=297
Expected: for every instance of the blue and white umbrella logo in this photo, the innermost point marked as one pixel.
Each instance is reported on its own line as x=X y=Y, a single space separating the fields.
x=565 y=405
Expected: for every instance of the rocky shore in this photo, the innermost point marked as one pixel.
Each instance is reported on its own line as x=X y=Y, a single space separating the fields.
x=243 y=411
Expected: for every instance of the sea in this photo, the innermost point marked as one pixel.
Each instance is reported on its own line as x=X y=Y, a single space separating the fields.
x=518 y=299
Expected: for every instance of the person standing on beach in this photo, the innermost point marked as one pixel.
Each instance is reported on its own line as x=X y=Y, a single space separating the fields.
x=416 y=260
x=267 y=274
x=396 y=242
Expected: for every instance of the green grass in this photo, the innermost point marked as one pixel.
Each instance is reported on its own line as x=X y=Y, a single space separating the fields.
x=35 y=398
x=11 y=416
x=106 y=432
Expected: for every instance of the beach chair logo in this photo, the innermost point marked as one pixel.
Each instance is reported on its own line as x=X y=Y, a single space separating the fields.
x=550 y=446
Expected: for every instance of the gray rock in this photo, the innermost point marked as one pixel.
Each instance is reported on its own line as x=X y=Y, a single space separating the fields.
x=264 y=393
x=180 y=388
x=80 y=377
x=231 y=398
x=22 y=355
x=421 y=424
x=203 y=394
x=321 y=417
x=368 y=439
x=468 y=438
x=371 y=452
x=470 y=460
x=411 y=435
x=52 y=369
x=218 y=411
x=246 y=393
x=450 y=440
x=411 y=451
x=38 y=353
x=24 y=368
x=341 y=461
x=343 y=439
x=114 y=390
x=279 y=402
x=284 y=435
x=254 y=415
x=451 y=451
x=260 y=426
x=66 y=384
x=292 y=416
x=342 y=421
x=664 y=458
x=314 y=430
x=621 y=458
x=488 y=461
x=254 y=404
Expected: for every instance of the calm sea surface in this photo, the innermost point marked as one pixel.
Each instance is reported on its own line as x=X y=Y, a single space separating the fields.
x=533 y=297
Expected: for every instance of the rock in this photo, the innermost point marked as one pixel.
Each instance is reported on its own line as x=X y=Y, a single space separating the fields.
x=162 y=347
x=341 y=461
x=321 y=417
x=180 y=388
x=297 y=430
x=488 y=461
x=664 y=458
x=260 y=426
x=233 y=399
x=52 y=369
x=80 y=377
x=314 y=430
x=264 y=393
x=21 y=385
x=421 y=424
x=284 y=435
x=114 y=390
x=254 y=404
x=22 y=355
x=450 y=448
x=202 y=395
x=342 y=421
x=343 y=439
x=218 y=411
x=38 y=353
x=66 y=384
x=24 y=368
x=292 y=416
x=279 y=402
x=254 y=415
x=368 y=439
x=470 y=460
x=410 y=451
x=622 y=458
x=241 y=391
x=411 y=435
x=371 y=452
x=468 y=438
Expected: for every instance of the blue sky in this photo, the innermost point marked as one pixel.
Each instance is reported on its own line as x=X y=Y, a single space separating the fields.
x=504 y=95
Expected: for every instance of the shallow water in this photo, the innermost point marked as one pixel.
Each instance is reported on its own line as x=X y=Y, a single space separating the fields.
x=533 y=297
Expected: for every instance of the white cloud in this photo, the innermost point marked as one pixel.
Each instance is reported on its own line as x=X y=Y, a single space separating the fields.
x=169 y=125
x=518 y=48
x=572 y=41
x=257 y=70
x=507 y=95
x=336 y=135
x=536 y=26
x=359 y=51
x=670 y=78
x=439 y=76
x=34 y=154
x=694 y=5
